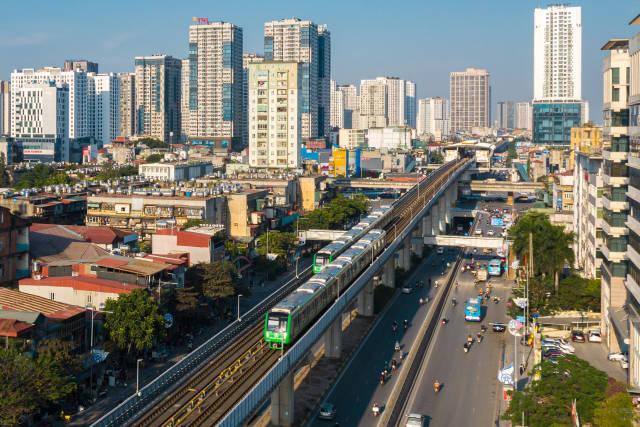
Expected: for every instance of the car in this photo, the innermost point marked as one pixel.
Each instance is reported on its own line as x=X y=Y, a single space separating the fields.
x=624 y=363
x=616 y=356
x=567 y=347
x=478 y=231
x=440 y=250
x=490 y=233
x=407 y=289
x=561 y=349
x=595 y=336
x=327 y=411
x=499 y=327
x=552 y=354
x=556 y=340
x=577 y=336
x=415 y=420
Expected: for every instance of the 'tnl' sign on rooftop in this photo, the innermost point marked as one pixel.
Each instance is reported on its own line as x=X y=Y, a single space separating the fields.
x=200 y=20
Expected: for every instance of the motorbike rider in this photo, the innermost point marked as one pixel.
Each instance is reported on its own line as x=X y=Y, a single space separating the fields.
x=436 y=386
x=454 y=302
x=406 y=323
x=421 y=301
x=397 y=347
x=395 y=326
x=376 y=409
x=469 y=339
x=444 y=320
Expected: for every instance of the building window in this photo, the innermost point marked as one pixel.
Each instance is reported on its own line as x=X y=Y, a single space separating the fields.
x=89 y=299
x=52 y=296
x=615 y=94
x=615 y=76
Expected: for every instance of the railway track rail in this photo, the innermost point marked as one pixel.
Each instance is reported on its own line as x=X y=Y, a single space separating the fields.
x=218 y=385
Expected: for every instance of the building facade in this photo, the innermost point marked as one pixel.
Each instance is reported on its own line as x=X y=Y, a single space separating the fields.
x=175 y=171
x=350 y=103
x=506 y=115
x=214 y=109
x=390 y=138
x=293 y=40
x=373 y=111
x=410 y=104
x=127 y=104
x=81 y=65
x=553 y=121
x=158 y=91
x=104 y=100
x=557 y=53
x=433 y=117
x=337 y=106
x=275 y=137
x=524 y=115
x=247 y=58
x=40 y=123
x=470 y=99
x=5 y=108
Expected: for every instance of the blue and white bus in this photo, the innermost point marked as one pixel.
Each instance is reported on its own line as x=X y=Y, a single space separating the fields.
x=473 y=310
x=494 y=267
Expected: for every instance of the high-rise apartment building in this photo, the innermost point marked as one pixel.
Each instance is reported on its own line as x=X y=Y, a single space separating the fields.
x=337 y=106
x=433 y=117
x=350 y=102
x=618 y=227
x=104 y=107
x=76 y=82
x=214 y=110
x=410 y=104
x=557 y=53
x=158 y=90
x=373 y=104
x=293 y=40
x=127 y=104
x=524 y=114
x=275 y=138
x=247 y=58
x=80 y=65
x=470 y=99
x=5 y=108
x=506 y=115
x=39 y=120
x=395 y=100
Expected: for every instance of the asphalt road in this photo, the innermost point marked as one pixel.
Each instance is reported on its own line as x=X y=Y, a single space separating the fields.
x=358 y=387
x=470 y=391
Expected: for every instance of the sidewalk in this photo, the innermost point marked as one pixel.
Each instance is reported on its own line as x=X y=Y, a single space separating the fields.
x=150 y=370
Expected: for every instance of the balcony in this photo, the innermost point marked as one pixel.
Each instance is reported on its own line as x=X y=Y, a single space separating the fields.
x=615 y=180
x=614 y=230
x=615 y=206
x=612 y=256
x=615 y=156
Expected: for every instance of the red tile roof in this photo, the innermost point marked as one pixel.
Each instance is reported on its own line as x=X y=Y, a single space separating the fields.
x=168 y=231
x=110 y=262
x=20 y=301
x=14 y=328
x=82 y=283
x=189 y=238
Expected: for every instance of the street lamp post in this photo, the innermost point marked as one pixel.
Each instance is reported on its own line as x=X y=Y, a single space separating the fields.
x=93 y=312
x=239 y=295
x=138 y=376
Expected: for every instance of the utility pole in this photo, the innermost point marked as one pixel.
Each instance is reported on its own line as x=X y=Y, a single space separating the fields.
x=526 y=312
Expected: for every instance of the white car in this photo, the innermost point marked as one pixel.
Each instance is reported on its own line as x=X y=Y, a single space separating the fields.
x=594 y=336
x=407 y=289
x=558 y=343
x=490 y=233
x=616 y=356
x=624 y=363
x=478 y=231
x=440 y=250
x=561 y=348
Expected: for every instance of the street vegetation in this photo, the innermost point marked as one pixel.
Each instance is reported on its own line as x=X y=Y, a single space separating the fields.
x=336 y=214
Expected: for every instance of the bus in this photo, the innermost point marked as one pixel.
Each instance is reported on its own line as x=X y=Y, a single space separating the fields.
x=473 y=310
x=495 y=267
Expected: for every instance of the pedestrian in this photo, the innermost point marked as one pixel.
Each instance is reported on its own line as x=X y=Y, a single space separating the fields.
x=521 y=369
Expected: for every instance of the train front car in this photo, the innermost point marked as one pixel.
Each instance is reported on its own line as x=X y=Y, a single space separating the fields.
x=276 y=327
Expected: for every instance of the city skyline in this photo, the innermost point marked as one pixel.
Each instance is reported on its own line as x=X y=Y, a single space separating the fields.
x=117 y=39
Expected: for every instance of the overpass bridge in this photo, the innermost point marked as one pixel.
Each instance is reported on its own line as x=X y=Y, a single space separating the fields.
x=370 y=183
x=227 y=379
x=505 y=186
x=465 y=241
x=315 y=234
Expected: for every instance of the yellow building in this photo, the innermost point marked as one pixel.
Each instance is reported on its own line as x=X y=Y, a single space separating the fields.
x=586 y=139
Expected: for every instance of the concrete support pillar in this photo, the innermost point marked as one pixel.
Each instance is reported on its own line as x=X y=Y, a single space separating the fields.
x=282 y=402
x=333 y=339
x=417 y=245
x=442 y=219
x=447 y=206
x=403 y=259
x=364 y=301
x=427 y=225
x=389 y=273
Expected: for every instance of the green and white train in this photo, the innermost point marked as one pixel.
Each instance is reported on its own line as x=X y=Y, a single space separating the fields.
x=291 y=316
x=379 y=218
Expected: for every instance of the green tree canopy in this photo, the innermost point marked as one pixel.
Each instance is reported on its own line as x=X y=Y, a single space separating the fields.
x=135 y=322
x=217 y=279
x=109 y=171
x=616 y=411
x=436 y=157
x=153 y=143
x=154 y=158
x=282 y=244
x=551 y=244
x=334 y=215
x=29 y=383
x=42 y=175
x=547 y=401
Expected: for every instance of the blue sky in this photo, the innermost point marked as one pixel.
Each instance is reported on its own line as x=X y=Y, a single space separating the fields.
x=418 y=40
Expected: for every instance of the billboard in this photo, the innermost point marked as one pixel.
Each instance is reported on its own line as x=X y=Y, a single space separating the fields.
x=341 y=162
x=497 y=221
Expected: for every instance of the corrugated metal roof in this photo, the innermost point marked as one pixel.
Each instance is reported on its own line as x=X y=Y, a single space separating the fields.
x=15 y=300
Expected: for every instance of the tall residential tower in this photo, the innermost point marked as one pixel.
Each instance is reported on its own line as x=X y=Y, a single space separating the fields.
x=470 y=98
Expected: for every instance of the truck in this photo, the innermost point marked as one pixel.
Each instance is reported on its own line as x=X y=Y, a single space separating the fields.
x=481 y=276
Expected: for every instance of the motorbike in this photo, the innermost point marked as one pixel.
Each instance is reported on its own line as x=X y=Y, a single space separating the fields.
x=479 y=338
x=496 y=300
x=465 y=347
x=436 y=387
x=381 y=380
x=406 y=324
x=483 y=328
x=376 y=410
x=444 y=321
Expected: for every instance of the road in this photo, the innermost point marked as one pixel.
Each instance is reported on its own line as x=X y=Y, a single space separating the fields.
x=360 y=379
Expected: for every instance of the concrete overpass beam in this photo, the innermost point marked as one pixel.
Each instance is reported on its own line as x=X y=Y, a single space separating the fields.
x=333 y=339
x=282 y=402
x=364 y=302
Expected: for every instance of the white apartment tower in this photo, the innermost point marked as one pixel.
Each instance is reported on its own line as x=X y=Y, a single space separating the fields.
x=127 y=104
x=293 y=40
x=214 y=109
x=39 y=120
x=506 y=115
x=5 y=108
x=104 y=107
x=470 y=99
x=524 y=115
x=337 y=106
x=76 y=82
x=433 y=117
x=275 y=116
x=557 y=53
x=247 y=58
x=410 y=104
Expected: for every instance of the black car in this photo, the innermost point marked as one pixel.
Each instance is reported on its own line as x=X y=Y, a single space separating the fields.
x=577 y=336
x=499 y=327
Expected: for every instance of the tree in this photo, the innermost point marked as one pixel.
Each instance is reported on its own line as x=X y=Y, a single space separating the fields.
x=335 y=214
x=135 y=322
x=218 y=279
x=145 y=247
x=109 y=171
x=436 y=157
x=577 y=293
x=153 y=143
x=551 y=244
x=282 y=244
x=154 y=158
x=548 y=400
x=616 y=411
x=31 y=383
x=4 y=178
x=192 y=223
x=42 y=175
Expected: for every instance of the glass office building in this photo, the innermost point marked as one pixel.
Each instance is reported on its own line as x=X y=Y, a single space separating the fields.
x=552 y=122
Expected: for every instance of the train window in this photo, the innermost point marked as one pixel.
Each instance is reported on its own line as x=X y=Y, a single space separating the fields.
x=277 y=323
